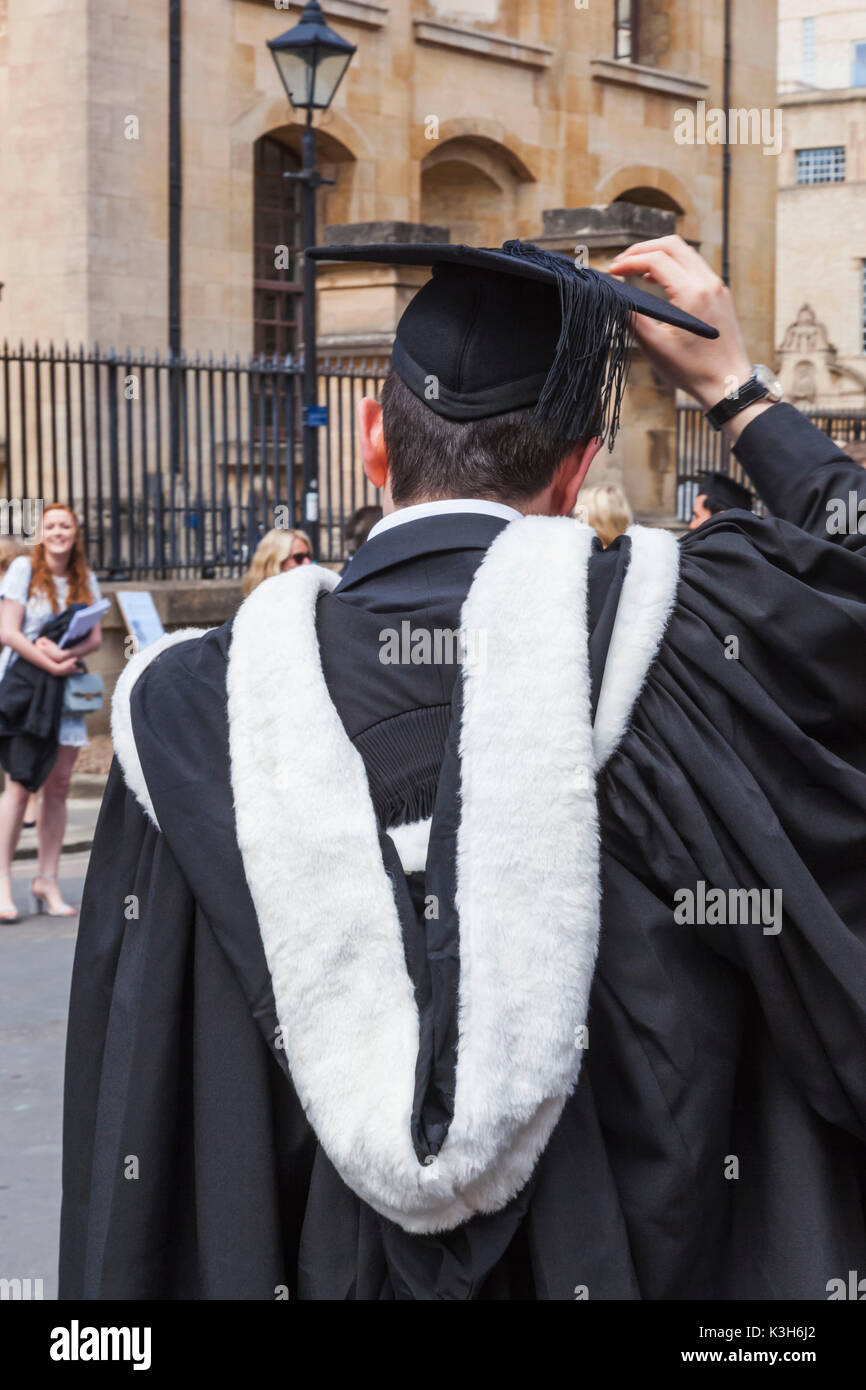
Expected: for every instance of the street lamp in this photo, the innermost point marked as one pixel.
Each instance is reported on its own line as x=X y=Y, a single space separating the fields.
x=311 y=60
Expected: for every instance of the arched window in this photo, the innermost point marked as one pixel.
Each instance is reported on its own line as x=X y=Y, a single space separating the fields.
x=276 y=246
x=470 y=184
x=650 y=198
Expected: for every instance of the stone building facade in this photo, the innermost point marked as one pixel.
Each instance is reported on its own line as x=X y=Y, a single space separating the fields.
x=821 y=210
x=551 y=120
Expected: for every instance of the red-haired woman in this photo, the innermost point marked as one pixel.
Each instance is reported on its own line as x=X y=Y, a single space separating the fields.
x=31 y=592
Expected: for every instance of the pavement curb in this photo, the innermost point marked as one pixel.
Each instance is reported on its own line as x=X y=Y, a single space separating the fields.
x=88 y=786
x=79 y=846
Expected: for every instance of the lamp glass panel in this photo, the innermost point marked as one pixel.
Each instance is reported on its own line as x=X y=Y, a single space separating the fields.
x=327 y=76
x=297 y=72
x=311 y=75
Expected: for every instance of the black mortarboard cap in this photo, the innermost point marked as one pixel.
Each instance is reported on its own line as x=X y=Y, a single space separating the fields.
x=500 y=330
x=723 y=491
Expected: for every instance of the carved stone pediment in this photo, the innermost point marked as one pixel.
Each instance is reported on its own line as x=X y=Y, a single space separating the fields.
x=806 y=334
x=810 y=371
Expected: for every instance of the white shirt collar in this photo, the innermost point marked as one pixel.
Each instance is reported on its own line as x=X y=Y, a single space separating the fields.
x=449 y=504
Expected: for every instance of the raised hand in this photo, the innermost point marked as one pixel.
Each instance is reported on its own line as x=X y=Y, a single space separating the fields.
x=707 y=369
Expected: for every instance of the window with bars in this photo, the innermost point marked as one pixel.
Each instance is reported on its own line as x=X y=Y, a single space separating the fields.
x=808 y=63
x=625 y=20
x=276 y=247
x=825 y=164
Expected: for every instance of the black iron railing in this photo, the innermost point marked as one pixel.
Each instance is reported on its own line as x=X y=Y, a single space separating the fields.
x=701 y=449
x=175 y=465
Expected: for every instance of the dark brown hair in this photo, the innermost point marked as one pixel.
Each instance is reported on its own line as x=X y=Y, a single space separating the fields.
x=506 y=458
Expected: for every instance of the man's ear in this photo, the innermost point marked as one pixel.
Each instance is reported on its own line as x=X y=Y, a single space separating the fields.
x=372 y=434
x=571 y=474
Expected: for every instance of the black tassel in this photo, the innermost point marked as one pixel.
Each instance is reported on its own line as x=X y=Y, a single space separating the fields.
x=582 y=395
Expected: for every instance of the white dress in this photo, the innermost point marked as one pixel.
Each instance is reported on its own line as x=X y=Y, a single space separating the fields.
x=37 y=611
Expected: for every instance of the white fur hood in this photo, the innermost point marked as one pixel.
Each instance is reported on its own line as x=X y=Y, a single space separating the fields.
x=527 y=864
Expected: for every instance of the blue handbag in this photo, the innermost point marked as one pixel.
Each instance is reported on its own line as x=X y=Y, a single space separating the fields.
x=83 y=693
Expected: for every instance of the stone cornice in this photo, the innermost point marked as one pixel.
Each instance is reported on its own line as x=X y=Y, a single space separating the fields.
x=363 y=12
x=820 y=187
x=649 y=79
x=481 y=44
x=817 y=97
x=383 y=233
x=378 y=344
x=605 y=224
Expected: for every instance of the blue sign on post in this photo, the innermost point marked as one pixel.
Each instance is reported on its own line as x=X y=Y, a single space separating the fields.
x=315 y=415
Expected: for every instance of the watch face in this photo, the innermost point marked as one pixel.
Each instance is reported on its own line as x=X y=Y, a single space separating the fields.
x=768 y=380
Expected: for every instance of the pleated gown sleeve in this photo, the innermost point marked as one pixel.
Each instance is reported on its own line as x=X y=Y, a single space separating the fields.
x=803 y=476
x=727 y=1048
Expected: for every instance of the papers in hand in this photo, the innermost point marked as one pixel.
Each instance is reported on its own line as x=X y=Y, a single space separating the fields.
x=82 y=621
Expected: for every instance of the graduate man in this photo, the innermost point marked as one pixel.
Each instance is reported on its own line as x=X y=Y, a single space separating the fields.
x=531 y=966
x=719 y=493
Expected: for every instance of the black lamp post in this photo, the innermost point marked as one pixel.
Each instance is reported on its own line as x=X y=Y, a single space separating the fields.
x=311 y=60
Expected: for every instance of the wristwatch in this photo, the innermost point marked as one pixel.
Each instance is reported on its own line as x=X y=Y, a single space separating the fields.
x=761 y=385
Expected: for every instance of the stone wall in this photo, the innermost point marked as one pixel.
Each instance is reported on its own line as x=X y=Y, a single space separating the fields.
x=482 y=115
x=835 y=26
x=84 y=214
x=821 y=228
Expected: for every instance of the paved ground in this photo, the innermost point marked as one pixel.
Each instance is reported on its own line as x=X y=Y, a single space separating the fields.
x=80 y=824
x=35 y=967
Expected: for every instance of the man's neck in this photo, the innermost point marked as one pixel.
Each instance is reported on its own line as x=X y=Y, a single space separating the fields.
x=545 y=503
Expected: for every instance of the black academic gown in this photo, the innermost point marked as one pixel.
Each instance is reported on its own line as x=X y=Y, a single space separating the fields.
x=714 y=1145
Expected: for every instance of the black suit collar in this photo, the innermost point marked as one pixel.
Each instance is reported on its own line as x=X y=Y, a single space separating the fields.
x=425 y=536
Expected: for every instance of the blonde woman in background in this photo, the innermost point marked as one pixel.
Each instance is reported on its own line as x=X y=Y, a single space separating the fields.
x=277 y=550
x=606 y=510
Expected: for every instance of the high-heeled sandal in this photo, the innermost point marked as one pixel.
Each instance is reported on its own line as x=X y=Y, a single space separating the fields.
x=41 y=901
x=9 y=914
